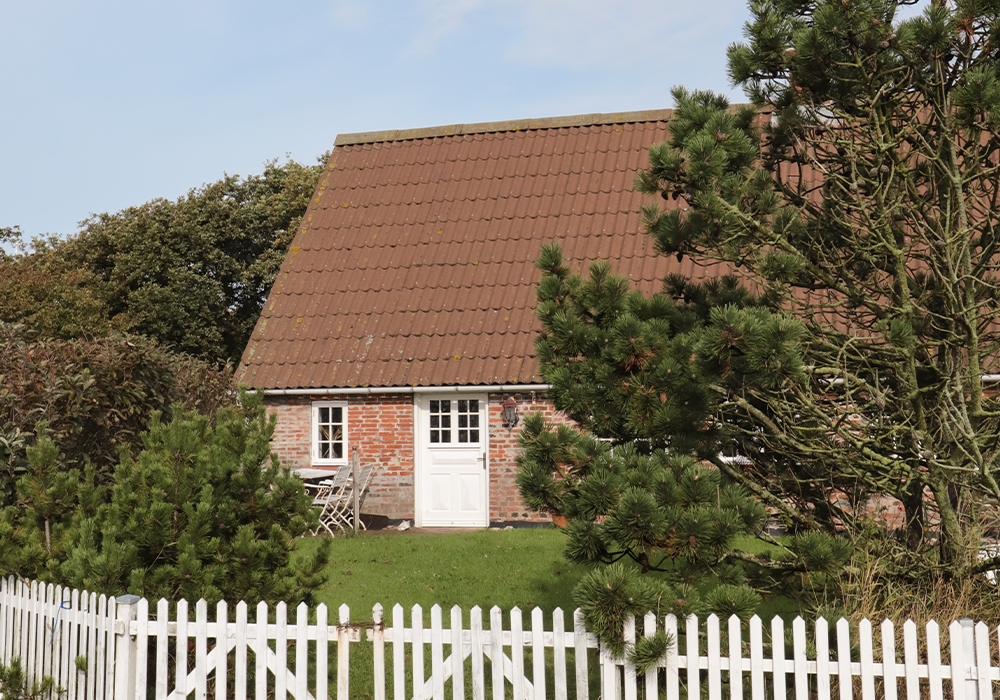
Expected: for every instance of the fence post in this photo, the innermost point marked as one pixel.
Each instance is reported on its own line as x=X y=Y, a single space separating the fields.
x=356 y=475
x=125 y=647
x=969 y=658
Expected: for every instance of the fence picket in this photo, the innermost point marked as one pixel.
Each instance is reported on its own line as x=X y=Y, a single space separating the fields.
x=867 y=660
x=162 y=640
x=496 y=652
x=934 y=676
x=141 y=648
x=25 y=618
x=822 y=659
x=714 y=649
x=476 y=652
x=322 y=652
x=756 y=658
x=221 y=650
x=398 y=654
x=538 y=654
x=844 y=659
x=343 y=652
x=580 y=657
x=693 y=672
x=799 y=657
x=378 y=652
x=240 y=662
x=49 y=631
x=181 y=650
x=5 y=627
x=457 y=655
x=517 y=653
x=778 y=657
x=889 y=670
x=281 y=651
x=958 y=660
x=74 y=645
x=911 y=660
x=672 y=675
x=63 y=617
x=301 y=651
x=34 y=636
x=629 y=673
x=201 y=650
x=417 y=651
x=437 y=654
x=983 y=662
x=648 y=631
x=260 y=652
x=735 y=660
x=109 y=652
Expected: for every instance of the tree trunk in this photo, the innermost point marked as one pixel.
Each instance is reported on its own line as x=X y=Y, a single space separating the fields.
x=913 y=506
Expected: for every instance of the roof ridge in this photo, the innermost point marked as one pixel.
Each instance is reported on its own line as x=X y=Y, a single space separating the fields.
x=650 y=115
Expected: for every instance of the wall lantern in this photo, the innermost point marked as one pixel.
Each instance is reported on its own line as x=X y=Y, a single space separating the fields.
x=510 y=413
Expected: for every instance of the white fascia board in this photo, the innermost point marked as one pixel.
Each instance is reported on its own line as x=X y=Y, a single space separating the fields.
x=350 y=391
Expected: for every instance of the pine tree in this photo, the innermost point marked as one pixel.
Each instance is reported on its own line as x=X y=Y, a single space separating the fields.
x=637 y=485
x=855 y=198
x=865 y=203
x=205 y=510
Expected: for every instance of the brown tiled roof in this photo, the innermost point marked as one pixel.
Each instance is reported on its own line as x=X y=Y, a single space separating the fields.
x=414 y=265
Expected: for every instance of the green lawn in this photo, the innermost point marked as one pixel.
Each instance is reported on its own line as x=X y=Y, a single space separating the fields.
x=522 y=567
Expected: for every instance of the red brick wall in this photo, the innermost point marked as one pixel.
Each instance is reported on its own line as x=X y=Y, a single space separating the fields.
x=505 y=502
x=381 y=426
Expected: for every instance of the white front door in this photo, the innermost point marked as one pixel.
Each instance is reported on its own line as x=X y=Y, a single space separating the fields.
x=452 y=474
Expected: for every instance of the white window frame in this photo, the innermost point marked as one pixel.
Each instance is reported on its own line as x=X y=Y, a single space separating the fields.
x=314 y=433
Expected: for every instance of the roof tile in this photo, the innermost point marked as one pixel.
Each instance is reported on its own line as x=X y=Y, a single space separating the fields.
x=414 y=265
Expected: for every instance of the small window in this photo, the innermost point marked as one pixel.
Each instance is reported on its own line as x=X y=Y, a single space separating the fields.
x=329 y=431
x=454 y=422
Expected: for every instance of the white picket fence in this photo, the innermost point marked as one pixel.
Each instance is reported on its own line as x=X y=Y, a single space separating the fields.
x=105 y=648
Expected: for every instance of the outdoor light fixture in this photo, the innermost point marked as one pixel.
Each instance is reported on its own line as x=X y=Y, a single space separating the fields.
x=510 y=413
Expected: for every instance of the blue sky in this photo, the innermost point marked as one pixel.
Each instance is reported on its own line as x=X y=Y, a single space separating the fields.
x=107 y=103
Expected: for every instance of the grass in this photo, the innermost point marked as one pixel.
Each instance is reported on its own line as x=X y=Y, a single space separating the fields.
x=522 y=567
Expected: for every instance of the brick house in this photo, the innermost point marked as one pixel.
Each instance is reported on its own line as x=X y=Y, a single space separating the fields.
x=402 y=318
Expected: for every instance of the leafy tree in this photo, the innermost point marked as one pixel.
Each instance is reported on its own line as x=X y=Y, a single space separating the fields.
x=194 y=273
x=54 y=298
x=95 y=397
x=203 y=511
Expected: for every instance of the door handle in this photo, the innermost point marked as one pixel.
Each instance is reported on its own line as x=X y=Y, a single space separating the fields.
x=483 y=458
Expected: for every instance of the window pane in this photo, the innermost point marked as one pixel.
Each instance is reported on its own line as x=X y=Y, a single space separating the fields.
x=473 y=436
x=435 y=407
x=434 y=436
x=463 y=406
x=434 y=422
x=463 y=435
x=337 y=415
x=324 y=414
x=446 y=421
x=463 y=420
x=338 y=450
x=474 y=420
x=446 y=407
x=324 y=450
x=445 y=436
x=473 y=405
